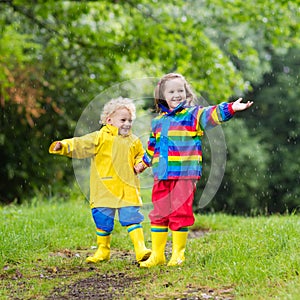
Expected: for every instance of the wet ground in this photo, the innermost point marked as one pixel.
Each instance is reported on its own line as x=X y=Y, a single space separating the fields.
x=119 y=285
x=122 y=286
x=99 y=286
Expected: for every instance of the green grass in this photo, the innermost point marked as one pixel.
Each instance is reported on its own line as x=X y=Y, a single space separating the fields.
x=43 y=246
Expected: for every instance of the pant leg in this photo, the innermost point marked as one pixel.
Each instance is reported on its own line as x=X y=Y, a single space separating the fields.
x=104 y=218
x=161 y=203
x=182 y=199
x=130 y=215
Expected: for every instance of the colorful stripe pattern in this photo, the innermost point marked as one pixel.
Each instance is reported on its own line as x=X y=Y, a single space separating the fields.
x=174 y=147
x=183 y=229
x=101 y=232
x=133 y=227
x=157 y=228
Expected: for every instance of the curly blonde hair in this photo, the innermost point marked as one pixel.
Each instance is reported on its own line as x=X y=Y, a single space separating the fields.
x=160 y=89
x=115 y=104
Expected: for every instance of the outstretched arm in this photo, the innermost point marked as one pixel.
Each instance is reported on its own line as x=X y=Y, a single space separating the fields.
x=239 y=106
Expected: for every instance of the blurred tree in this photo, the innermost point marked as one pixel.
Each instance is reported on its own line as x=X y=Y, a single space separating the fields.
x=276 y=121
x=55 y=56
x=262 y=174
x=245 y=182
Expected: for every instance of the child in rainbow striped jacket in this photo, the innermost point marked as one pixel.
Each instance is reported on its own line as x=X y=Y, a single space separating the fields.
x=174 y=152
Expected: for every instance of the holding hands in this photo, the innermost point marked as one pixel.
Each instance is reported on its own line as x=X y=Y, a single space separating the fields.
x=139 y=168
x=239 y=106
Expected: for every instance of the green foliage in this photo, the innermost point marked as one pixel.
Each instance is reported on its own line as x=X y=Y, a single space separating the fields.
x=245 y=181
x=276 y=121
x=56 y=56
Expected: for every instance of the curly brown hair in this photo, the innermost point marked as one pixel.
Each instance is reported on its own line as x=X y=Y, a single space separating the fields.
x=160 y=89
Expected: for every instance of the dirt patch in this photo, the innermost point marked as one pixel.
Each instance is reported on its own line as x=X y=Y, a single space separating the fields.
x=195 y=233
x=120 y=286
x=98 y=286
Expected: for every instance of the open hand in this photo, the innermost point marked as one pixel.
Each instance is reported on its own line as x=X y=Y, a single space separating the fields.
x=239 y=106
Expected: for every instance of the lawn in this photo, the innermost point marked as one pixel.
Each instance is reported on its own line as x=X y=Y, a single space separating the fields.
x=44 y=244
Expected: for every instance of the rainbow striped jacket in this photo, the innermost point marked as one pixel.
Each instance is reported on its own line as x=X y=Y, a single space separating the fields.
x=174 y=147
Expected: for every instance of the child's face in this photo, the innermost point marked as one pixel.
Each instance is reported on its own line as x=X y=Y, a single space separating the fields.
x=174 y=92
x=121 y=119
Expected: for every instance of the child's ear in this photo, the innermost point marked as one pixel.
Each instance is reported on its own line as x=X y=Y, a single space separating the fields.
x=108 y=121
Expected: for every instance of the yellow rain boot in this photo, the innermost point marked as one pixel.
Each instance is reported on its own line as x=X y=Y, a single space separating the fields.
x=103 y=251
x=137 y=236
x=179 y=242
x=159 y=235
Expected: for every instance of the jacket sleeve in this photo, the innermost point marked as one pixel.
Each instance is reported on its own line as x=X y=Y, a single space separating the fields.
x=147 y=158
x=139 y=152
x=212 y=116
x=78 y=147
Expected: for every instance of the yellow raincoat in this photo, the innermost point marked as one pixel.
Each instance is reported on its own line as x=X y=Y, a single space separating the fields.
x=113 y=182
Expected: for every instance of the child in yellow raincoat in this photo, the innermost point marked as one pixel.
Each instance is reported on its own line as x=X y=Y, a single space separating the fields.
x=114 y=151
